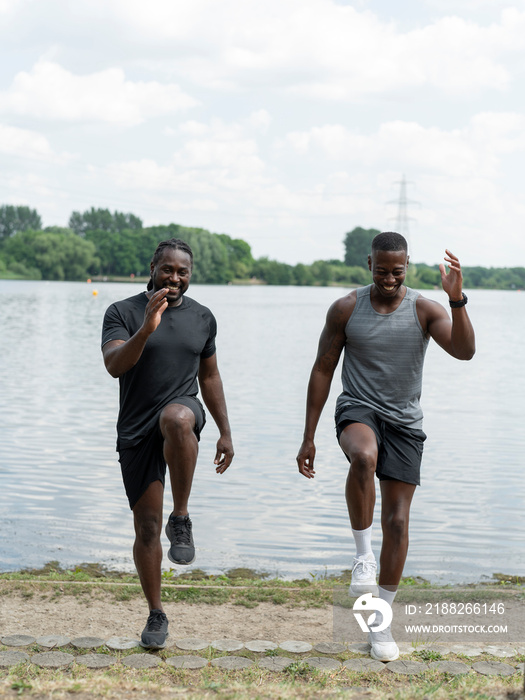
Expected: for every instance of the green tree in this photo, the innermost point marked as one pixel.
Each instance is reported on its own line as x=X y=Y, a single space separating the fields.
x=518 y=277
x=358 y=243
x=56 y=255
x=495 y=278
x=124 y=252
x=103 y=220
x=428 y=276
x=303 y=275
x=474 y=276
x=273 y=272
x=354 y=275
x=17 y=218
x=240 y=259
x=322 y=272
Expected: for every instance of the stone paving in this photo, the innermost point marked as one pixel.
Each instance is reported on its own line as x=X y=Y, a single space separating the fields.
x=56 y=651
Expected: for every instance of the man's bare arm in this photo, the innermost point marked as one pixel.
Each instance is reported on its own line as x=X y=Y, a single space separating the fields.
x=212 y=391
x=331 y=343
x=456 y=337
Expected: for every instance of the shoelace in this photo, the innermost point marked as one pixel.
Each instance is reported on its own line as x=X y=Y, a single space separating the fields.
x=155 y=621
x=369 y=567
x=182 y=530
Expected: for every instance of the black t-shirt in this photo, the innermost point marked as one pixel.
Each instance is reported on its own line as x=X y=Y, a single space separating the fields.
x=169 y=363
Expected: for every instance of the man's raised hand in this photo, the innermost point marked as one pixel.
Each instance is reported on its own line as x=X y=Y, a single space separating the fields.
x=452 y=282
x=155 y=307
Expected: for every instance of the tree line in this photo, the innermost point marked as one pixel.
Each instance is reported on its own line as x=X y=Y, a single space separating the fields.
x=100 y=243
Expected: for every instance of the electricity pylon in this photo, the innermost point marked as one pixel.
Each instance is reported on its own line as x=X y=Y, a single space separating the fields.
x=402 y=217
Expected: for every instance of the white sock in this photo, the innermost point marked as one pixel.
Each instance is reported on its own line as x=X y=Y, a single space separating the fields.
x=386 y=634
x=387 y=595
x=363 y=542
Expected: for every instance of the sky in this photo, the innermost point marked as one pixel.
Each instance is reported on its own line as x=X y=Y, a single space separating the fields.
x=285 y=123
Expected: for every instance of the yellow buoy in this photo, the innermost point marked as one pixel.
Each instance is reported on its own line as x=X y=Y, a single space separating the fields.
x=95 y=292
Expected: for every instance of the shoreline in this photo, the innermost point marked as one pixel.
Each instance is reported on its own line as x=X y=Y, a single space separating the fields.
x=53 y=570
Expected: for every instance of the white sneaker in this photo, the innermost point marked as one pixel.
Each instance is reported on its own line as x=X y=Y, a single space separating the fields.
x=364 y=574
x=382 y=645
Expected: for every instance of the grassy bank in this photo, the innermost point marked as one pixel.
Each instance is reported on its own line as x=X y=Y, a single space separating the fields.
x=240 y=586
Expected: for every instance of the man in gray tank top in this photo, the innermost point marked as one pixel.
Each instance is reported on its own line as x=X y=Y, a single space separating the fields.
x=384 y=329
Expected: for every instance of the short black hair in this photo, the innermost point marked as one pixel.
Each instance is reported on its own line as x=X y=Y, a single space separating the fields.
x=389 y=240
x=176 y=244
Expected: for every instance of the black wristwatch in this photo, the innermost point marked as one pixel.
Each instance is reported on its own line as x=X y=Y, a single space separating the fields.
x=458 y=304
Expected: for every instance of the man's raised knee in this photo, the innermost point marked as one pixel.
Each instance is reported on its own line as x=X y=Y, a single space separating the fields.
x=176 y=419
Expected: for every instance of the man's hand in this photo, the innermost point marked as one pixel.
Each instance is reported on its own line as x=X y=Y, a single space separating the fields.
x=155 y=307
x=305 y=459
x=224 y=455
x=453 y=281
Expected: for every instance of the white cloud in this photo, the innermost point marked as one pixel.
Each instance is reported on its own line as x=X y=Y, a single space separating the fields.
x=7 y=6
x=325 y=50
x=315 y=48
x=472 y=7
x=261 y=120
x=472 y=149
x=215 y=159
x=24 y=143
x=218 y=167
x=51 y=92
x=225 y=150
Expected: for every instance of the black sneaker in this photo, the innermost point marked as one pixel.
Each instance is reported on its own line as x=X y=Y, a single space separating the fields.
x=178 y=531
x=156 y=630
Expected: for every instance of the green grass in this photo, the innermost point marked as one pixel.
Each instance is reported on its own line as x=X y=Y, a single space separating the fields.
x=297 y=681
x=243 y=587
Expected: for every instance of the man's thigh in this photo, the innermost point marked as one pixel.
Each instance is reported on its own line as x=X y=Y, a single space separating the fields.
x=358 y=432
x=358 y=440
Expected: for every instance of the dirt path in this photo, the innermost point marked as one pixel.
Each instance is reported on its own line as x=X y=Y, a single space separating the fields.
x=104 y=617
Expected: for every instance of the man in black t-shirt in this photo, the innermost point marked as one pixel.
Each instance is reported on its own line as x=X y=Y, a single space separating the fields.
x=158 y=343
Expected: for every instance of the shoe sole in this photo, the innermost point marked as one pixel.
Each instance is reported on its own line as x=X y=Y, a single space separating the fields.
x=152 y=646
x=182 y=562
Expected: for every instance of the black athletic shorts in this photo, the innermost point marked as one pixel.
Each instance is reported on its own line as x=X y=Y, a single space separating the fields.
x=144 y=463
x=400 y=449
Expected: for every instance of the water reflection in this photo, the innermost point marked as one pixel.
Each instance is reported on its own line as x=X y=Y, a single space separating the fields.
x=61 y=495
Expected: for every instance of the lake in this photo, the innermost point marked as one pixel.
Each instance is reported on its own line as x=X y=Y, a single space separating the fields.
x=61 y=496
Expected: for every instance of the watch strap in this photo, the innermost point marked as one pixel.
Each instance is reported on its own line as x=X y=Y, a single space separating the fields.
x=458 y=304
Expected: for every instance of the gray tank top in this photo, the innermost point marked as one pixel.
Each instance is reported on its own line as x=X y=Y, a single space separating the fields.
x=383 y=360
